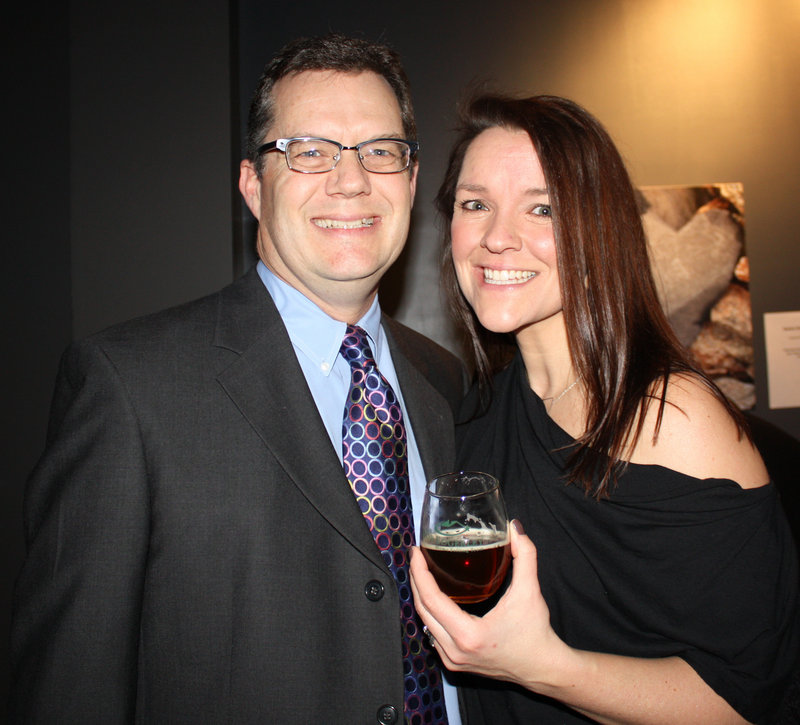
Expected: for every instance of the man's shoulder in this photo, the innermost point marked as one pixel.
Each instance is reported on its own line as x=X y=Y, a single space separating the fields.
x=187 y=333
x=419 y=348
x=194 y=317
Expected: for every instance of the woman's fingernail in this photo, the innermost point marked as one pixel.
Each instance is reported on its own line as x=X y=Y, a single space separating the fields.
x=517 y=524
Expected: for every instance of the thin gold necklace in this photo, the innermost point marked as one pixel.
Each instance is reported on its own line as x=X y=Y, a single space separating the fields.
x=569 y=387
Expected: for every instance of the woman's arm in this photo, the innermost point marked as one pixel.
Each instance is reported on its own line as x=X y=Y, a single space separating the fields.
x=515 y=642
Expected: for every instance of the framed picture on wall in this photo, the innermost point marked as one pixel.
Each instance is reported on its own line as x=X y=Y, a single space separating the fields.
x=696 y=242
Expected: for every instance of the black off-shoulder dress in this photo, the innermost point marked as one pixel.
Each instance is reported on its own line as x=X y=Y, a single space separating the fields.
x=667 y=565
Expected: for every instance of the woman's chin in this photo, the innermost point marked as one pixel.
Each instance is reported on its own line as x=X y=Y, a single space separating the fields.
x=498 y=324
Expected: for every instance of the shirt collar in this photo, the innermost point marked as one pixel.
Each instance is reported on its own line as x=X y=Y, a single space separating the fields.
x=313 y=332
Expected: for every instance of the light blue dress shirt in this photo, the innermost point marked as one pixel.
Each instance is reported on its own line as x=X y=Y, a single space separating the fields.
x=317 y=338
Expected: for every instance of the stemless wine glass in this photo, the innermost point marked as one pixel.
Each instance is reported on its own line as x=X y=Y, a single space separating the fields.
x=464 y=535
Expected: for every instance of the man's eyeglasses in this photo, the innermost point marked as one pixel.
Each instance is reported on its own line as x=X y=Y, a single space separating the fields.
x=309 y=155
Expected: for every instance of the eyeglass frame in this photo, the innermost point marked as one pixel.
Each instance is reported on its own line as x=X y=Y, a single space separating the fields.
x=282 y=144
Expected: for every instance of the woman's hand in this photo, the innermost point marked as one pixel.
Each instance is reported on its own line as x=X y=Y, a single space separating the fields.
x=514 y=641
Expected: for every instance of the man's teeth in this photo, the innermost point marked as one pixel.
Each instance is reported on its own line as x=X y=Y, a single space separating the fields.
x=506 y=276
x=338 y=224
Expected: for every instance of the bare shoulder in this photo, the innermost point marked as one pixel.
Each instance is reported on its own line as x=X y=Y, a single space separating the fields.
x=698 y=437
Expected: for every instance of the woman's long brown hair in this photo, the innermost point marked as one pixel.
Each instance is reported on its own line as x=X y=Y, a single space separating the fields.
x=621 y=343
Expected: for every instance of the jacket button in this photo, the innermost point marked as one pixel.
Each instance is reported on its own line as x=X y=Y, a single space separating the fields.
x=387 y=715
x=374 y=591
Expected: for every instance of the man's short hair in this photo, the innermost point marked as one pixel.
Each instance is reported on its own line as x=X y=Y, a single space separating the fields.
x=332 y=52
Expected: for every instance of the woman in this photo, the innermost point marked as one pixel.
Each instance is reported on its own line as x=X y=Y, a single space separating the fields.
x=659 y=582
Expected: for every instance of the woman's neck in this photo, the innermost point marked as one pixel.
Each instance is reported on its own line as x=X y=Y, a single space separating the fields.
x=552 y=376
x=548 y=363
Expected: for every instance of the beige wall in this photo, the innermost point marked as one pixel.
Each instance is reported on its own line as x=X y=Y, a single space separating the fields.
x=692 y=91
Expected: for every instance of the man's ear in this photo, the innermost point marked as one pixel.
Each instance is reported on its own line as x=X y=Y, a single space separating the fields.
x=250 y=187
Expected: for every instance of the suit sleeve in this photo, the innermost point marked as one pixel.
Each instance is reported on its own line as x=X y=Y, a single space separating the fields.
x=78 y=597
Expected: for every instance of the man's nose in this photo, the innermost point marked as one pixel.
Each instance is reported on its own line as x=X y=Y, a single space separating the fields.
x=348 y=177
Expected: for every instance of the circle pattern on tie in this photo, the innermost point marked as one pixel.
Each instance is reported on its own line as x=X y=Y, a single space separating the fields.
x=376 y=464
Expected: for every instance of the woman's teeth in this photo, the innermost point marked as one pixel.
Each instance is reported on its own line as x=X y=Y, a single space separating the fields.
x=506 y=276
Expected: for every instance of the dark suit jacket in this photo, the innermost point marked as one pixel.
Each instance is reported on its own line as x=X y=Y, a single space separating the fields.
x=195 y=552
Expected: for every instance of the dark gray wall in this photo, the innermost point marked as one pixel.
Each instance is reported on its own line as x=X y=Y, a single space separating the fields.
x=36 y=319
x=151 y=165
x=120 y=167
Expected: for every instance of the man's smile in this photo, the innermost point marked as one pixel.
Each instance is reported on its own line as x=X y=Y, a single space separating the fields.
x=344 y=224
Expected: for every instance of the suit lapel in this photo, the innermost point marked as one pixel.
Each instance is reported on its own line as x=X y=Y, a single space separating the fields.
x=428 y=411
x=268 y=387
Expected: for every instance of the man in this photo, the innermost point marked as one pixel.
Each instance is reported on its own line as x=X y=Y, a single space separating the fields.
x=196 y=553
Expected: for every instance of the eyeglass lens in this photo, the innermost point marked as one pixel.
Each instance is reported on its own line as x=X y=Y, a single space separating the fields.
x=315 y=155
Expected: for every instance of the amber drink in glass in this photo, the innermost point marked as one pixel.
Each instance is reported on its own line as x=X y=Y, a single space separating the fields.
x=464 y=535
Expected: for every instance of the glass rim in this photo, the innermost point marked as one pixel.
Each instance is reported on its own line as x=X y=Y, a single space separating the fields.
x=495 y=485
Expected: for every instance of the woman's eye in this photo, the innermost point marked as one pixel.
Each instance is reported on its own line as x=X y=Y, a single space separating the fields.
x=473 y=205
x=542 y=210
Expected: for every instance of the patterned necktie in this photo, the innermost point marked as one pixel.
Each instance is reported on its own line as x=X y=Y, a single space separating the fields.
x=375 y=462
